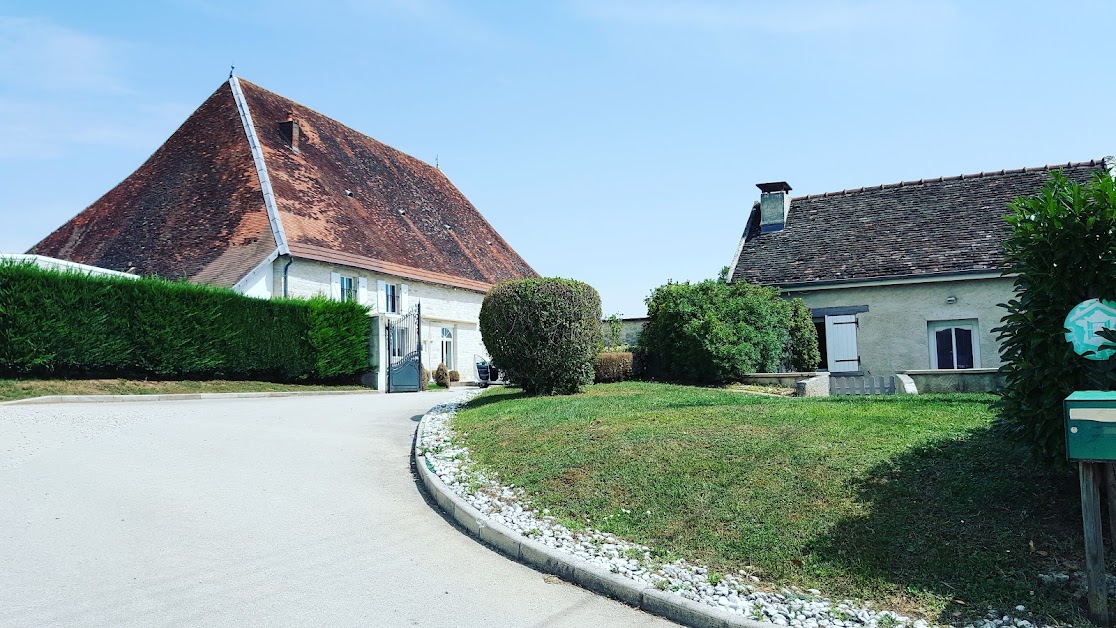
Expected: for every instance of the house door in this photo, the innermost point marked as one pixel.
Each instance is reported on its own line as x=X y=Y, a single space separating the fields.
x=840 y=340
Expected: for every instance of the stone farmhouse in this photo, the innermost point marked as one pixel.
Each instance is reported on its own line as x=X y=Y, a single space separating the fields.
x=902 y=277
x=263 y=195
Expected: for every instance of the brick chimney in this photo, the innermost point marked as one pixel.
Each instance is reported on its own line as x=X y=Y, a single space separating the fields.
x=289 y=129
x=774 y=205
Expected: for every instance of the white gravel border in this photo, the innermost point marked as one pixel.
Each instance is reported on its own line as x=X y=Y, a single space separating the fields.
x=501 y=516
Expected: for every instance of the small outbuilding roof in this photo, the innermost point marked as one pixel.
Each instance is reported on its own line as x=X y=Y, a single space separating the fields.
x=942 y=226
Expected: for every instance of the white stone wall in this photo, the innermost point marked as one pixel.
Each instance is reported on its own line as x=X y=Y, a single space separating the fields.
x=442 y=306
x=630 y=330
x=259 y=283
x=892 y=335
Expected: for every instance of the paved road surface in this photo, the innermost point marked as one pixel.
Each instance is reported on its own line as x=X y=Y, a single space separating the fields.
x=248 y=512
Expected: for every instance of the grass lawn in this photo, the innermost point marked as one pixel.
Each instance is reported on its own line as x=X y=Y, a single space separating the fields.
x=12 y=389
x=911 y=501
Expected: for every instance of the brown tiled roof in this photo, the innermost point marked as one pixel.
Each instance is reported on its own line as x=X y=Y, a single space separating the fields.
x=194 y=208
x=942 y=226
x=342 y=198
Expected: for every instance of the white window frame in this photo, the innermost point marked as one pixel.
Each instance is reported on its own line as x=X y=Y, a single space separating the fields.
x=446 y=346
x=348 y=287
x=392 y=304
x=933 y=327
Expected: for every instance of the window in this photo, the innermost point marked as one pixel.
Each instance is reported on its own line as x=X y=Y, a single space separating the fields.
x=391 y=298
x=954 y=344
x=399 y=346
x=348 y=290
x=447 y=348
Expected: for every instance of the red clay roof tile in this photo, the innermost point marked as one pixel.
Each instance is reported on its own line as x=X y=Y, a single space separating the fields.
x=195 y=203
x=196 y=209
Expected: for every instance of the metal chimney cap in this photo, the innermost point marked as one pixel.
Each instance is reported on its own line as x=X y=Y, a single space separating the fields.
x=775 y=186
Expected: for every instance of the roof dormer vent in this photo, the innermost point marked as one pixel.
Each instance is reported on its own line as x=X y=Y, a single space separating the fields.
x=290 y=132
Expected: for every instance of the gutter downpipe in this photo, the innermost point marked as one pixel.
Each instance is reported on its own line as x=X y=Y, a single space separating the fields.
x=290 y=260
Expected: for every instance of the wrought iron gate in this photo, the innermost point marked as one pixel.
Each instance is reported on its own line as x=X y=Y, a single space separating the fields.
x=405 y=352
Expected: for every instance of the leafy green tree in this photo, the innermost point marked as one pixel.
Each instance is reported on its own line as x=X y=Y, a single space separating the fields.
x=615 y=329
x=714 y=332
x=1062 y=251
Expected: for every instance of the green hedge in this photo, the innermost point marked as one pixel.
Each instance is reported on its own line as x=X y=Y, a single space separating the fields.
x=66 y=324
x=613 y=366
x=713 y=332
x=543 y=333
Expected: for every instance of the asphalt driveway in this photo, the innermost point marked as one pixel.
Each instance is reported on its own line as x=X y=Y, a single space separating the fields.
x=248 y=512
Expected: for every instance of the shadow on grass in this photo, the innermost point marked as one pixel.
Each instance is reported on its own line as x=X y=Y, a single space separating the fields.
x=972 y=521
x=496 y=396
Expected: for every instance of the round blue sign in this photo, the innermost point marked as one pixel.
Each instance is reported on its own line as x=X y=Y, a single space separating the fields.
x=1082 y=324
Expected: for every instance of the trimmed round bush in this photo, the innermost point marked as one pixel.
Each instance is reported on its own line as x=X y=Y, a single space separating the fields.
x=543 y=332
x=454 y=376
x=441 y=375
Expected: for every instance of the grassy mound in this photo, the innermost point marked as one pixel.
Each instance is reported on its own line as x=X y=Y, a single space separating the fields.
x=909 y=501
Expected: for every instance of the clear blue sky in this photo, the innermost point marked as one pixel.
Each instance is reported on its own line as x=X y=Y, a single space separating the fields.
x=613 y=141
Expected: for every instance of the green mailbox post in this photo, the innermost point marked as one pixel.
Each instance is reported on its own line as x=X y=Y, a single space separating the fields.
x=1091 y=426
x=1091 y=442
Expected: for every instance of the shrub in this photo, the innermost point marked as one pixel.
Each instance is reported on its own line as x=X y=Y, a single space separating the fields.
x=613 y=366
x=454 y=376
x=441 y=375
x=714 y=332
x=543 y=332
x=802 y=352
x=615 y=328
x=70 y=324
x=1063 y=251
x=424 y=381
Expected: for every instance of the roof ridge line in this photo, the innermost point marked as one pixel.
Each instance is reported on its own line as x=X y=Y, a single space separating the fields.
x=960 y=177
x=273 y=217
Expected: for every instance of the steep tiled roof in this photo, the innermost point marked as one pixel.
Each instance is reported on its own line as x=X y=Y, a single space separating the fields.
x=342 y=197
x=948 y=225
x=193 y=208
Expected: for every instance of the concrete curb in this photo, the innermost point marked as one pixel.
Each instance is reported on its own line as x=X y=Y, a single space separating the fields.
x=570 y=568
x=178 y=397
